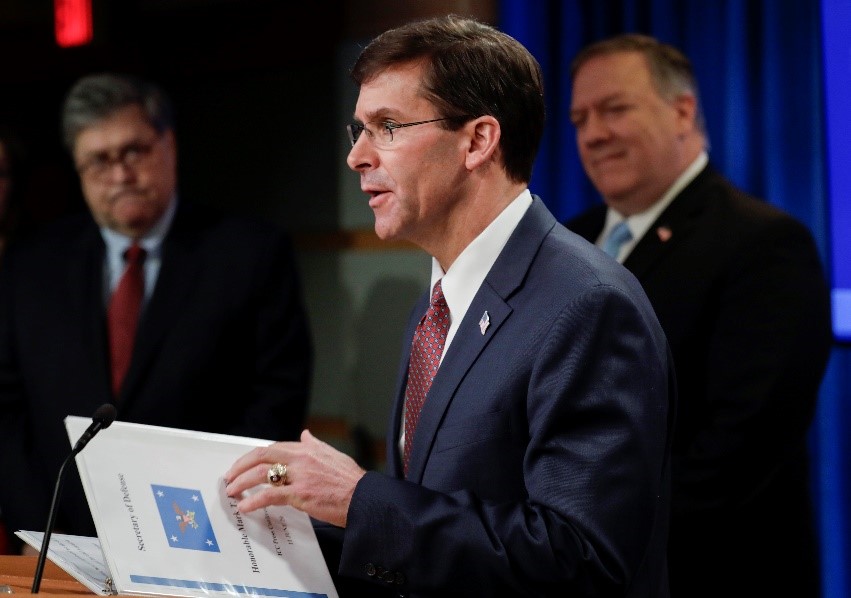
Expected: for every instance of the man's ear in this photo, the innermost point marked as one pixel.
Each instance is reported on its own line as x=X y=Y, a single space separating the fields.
x=484 y=141
x=170 y=144
x=170 y=139
x=685 y=106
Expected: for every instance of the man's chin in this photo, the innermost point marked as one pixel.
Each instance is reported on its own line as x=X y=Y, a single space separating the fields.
x=615 y=192
x=383 y=233
x=389 y=223
x=132 y=224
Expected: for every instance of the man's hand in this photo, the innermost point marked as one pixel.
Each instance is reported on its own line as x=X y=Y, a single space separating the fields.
x=319 y=480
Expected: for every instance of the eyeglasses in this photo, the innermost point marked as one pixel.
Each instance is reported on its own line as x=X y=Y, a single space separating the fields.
x=381 y=132
x=102 y=164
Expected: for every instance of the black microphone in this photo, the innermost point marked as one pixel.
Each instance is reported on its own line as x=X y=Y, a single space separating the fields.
x=102 y=419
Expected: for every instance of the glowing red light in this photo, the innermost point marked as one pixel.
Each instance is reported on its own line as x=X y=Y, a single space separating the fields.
x=73 y=21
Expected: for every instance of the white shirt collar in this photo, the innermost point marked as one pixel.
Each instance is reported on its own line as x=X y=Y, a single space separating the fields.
x=117 y=243
x=466 y=274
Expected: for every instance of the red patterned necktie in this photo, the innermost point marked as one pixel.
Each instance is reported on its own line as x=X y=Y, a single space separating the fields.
x=426 y=349
x=123 y=315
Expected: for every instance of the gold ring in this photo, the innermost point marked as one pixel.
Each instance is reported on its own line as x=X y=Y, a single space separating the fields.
x=277 y=474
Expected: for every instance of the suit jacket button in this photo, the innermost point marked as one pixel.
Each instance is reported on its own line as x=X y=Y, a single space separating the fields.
x=370 y=569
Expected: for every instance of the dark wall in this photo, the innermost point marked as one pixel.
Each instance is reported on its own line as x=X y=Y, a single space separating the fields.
x=252 y=82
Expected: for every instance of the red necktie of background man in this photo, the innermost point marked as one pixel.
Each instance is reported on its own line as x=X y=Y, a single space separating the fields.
x=123 y=315
x=426 y=349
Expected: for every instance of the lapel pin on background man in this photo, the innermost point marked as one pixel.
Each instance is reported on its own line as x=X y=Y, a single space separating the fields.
x=537 y=372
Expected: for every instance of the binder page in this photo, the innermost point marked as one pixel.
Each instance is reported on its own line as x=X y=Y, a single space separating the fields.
x=79 y=556
x=167 y=527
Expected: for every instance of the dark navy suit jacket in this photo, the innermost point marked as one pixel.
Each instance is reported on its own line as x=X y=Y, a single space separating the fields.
x=739 y=290
x=222 y=346
x=540 y=461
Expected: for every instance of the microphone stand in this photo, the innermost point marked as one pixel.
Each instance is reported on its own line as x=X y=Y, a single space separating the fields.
x=42 y=555
x=103 y=418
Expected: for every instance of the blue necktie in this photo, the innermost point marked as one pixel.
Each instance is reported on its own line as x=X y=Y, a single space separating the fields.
x=617 y=237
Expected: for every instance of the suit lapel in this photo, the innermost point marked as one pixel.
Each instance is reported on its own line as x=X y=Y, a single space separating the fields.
x=179 y=266
x=394 y=463
x=85 y=284
x=671 y=227
x=504 y=278
x=465 y=349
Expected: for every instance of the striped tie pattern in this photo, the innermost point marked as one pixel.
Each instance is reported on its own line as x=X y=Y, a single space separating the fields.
x=426 y=349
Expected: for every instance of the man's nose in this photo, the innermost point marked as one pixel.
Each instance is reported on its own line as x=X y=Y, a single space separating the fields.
x=594 y=129
x=120 y=171
x=363 y=155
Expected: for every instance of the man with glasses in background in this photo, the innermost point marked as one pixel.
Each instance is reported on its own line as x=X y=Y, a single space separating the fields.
x=529 y=437
x=146 y=301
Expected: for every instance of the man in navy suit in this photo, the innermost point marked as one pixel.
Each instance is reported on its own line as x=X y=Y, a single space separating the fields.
x=739 y=289
x=539 y=461
x=222 y=341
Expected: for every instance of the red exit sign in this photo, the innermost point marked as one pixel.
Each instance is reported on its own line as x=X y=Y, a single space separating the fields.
x=73 y=22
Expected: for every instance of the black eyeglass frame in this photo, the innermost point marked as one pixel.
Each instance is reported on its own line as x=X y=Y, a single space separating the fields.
x=130 y=155
x=356 y=129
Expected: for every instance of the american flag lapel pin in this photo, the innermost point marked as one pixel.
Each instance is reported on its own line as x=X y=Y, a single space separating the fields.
x=484 y=322
x=664 y=233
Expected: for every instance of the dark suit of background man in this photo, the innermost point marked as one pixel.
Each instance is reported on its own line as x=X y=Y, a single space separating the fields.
x=739 y=290
x=222 y=343
x=539 y=463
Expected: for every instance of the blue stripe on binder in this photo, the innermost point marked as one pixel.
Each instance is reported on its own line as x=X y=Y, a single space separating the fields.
x=223 y=587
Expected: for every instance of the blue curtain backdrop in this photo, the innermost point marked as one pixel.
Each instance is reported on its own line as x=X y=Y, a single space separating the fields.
x=758 y=64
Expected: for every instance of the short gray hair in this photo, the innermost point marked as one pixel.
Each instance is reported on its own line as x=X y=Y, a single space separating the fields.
x=95 y=97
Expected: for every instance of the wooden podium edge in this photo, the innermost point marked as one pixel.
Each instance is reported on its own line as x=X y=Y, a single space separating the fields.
x=18 y=571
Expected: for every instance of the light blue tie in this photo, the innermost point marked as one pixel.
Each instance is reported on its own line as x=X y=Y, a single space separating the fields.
x=617 y=237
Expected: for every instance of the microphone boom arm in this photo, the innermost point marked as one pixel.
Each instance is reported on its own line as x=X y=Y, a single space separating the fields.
x=42 y=555
x=102 y=418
